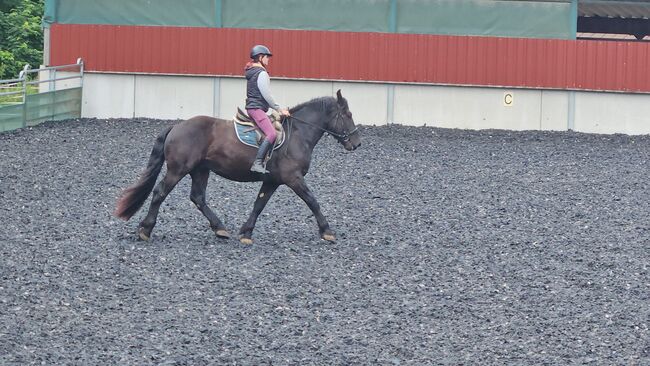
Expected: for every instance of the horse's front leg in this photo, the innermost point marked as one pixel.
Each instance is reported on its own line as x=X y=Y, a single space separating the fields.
x=246 y=231
x=300 y=187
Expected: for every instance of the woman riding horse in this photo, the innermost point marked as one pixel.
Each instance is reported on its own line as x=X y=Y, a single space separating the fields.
x=258 y=101
x=203 y=144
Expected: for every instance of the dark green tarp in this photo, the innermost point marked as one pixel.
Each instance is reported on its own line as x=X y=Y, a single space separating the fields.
x=507 y=18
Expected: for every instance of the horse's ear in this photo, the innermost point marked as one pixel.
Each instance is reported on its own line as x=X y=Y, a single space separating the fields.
x=339 y=97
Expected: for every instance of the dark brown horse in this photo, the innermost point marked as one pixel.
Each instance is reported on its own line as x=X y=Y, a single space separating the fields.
x=203 y=144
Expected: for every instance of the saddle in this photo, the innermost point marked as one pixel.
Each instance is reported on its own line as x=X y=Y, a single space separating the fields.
x=249 y=133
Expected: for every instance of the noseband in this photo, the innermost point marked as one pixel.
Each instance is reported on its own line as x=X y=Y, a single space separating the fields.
x=345 y=136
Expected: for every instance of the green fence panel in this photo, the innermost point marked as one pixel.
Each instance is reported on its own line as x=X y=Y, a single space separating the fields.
x=508 y=18
x=54 y=105
x=333 y=15
x=535 y=19
x=190 y=13
x=39 y=108
x=67 y=104
x=49 y=13
x=11 y=117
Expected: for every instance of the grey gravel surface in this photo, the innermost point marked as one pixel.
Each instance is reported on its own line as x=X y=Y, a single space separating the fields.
x=454 y=247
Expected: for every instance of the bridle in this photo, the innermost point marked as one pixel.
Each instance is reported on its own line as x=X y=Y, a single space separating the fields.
x=340 y=137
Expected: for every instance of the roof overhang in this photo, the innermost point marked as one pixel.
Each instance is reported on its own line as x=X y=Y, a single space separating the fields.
x=614 y=17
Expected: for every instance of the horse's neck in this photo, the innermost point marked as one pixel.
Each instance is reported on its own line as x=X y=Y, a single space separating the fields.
x=310 y=127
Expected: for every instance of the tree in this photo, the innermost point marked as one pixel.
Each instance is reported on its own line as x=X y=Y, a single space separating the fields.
x=21 y=36
x=7 y=5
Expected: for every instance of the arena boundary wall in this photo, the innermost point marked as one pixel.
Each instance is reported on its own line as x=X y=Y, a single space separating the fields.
x=110 y=95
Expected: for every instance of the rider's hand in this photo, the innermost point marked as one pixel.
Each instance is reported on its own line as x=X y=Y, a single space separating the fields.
x=285 y=112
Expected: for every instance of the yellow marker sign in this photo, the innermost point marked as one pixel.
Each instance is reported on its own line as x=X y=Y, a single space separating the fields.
x=508 y=99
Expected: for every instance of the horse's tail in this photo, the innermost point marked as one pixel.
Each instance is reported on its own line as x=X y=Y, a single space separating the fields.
x=134 y=197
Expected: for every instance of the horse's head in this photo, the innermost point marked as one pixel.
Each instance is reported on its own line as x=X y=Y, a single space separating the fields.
x=343 y=125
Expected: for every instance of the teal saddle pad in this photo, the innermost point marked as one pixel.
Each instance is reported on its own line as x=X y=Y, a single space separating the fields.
x=249 y=136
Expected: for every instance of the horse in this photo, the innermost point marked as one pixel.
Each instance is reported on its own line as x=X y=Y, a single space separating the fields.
x=204 y=144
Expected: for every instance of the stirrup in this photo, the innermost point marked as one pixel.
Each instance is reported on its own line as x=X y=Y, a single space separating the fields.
x=257 y=167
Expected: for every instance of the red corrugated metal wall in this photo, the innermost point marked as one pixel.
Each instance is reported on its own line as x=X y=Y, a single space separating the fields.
x=409 y=58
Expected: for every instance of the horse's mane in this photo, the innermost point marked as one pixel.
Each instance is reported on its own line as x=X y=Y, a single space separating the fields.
x=323 y=103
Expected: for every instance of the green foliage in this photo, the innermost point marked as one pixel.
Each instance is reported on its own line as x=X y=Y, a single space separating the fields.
x=21 y=36
x=7 y=5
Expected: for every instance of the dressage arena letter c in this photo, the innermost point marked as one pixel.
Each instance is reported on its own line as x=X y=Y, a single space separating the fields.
x=508 y=99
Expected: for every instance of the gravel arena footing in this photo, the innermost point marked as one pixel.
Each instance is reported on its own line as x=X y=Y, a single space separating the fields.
x=453 y=247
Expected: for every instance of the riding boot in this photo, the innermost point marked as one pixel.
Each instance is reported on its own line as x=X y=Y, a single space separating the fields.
x=258 y=164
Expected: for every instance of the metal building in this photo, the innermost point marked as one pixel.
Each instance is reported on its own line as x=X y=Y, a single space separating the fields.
x=523 y=65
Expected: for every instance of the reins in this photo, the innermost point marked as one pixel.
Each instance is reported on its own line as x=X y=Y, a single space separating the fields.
x=341 y=137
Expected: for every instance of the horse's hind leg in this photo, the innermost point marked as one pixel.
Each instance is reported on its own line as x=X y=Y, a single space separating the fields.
x=199 y=183
x=159 y=194
x=246 y=231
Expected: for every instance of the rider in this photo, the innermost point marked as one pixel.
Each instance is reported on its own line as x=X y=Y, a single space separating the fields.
x=258 y=101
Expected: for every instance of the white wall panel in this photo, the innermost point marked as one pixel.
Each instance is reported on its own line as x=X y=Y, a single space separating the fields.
x=368 y=102
x=173 y=97
x=108 y=96
x=290 y=93
x=612 y=113
x=233 y=95
x=554 y=110
x=468 y=108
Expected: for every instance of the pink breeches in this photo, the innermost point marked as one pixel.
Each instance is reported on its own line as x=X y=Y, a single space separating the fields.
x=263 y=122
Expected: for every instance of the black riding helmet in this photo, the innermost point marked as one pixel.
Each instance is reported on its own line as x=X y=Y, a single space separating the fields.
x=260 y=50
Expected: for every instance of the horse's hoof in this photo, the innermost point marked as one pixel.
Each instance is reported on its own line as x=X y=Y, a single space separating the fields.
x=328 y=237
x=222 y=233
x=246 y=241
x=142 y=235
